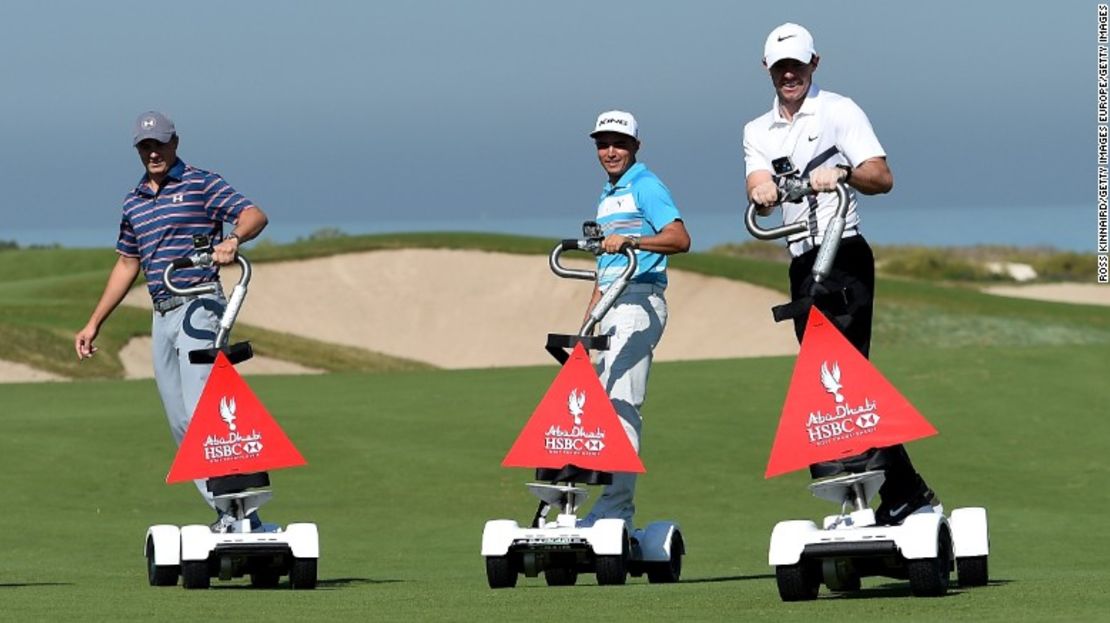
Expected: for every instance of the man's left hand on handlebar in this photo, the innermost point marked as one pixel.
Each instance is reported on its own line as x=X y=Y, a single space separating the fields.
x=615 y=243
x=825 y=179
x=225 y=252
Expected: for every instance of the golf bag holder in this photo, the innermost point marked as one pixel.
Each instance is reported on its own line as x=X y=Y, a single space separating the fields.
x=202 y=257
x=831 y=290
x=559 y=345
x=237 y=483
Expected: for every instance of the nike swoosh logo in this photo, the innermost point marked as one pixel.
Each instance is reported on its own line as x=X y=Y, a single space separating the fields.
x=813 y=138
x=895 y=512
x=781 y=39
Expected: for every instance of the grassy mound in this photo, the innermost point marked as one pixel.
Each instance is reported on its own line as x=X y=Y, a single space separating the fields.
x=46 y=295
x=978 y=264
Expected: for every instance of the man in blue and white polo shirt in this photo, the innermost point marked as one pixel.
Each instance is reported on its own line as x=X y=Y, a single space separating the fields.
x=172 y=203
x=635 y=209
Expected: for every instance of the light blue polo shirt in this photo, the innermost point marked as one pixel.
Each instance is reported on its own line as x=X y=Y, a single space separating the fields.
x=637 y=205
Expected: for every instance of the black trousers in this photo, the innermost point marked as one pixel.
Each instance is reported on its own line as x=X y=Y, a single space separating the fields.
x=855 y=261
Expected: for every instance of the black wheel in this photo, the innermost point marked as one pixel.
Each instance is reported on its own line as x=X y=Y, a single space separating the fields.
x=929 y=576
x=849 y=584
x=500 y=572
x=302 y=575
x=159 y=575
x=613 y=570
x=265 y=578
x=972 y=571
x=668 y=572
x=798 y=582
x=194 y=574
x=560 y=576
x=840 y=575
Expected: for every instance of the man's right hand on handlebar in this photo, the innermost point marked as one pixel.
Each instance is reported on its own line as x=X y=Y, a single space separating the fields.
x=765 y=195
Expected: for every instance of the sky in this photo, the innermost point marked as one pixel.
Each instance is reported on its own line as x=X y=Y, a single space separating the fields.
x=420 y=115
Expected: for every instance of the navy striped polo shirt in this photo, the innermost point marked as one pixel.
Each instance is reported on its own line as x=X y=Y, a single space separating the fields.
x=159 y=227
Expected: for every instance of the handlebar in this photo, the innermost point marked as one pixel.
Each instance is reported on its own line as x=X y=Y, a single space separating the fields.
x=831 y=242
x=234 y=302
x=593 y=245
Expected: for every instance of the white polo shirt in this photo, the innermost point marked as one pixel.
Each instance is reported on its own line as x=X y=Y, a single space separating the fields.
x=828 y=130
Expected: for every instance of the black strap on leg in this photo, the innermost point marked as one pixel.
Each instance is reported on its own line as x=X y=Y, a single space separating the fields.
x=839 y=296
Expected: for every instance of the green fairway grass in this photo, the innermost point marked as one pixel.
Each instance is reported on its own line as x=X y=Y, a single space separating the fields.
x=404 y=470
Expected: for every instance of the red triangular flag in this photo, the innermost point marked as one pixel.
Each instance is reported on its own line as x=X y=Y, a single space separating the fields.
x=575 y=423
x=838 y=405
x=231 y=432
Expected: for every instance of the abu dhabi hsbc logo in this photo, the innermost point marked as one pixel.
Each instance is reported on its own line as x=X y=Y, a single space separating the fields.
x=227 y=412
x=845 y=421
x=218 y=449
x=575 y=401
x=831 y=379
x=577 y=440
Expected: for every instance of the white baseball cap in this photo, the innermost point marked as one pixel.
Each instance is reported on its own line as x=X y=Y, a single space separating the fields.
x=788 y=41
x=616 y=121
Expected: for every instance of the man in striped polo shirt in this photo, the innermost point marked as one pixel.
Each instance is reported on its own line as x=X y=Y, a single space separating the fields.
x=635 y=209
x=172 y=203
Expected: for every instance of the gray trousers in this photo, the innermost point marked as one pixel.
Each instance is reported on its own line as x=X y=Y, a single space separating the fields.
x=189 y=327
x=634 y=326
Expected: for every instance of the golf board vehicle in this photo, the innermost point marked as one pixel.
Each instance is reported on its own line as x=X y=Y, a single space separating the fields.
x=231 y=442
x=574 y=438
x=838 y=406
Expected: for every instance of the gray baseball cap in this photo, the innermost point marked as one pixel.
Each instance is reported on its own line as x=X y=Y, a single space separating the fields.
x=155 y=125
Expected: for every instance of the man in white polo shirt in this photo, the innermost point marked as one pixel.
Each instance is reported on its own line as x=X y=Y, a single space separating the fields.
x=829 y=139
x=636 y=209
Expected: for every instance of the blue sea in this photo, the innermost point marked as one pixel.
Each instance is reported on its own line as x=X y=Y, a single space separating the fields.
x=1071 y=228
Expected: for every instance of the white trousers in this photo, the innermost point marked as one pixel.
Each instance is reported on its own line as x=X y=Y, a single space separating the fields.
x=634 y=326
x=191 y=326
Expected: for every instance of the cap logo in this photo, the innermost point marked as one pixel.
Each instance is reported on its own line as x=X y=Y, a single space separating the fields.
x=148 y=123
x=613 y=120
x=785 y=37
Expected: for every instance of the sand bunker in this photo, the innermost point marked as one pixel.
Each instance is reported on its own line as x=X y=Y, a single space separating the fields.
x=12 y=372
x=1079 y=293
x=471 y=309
x=138 y=362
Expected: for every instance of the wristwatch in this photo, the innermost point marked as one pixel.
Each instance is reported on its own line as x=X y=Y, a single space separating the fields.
x=235 y=236
x=847 y=170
